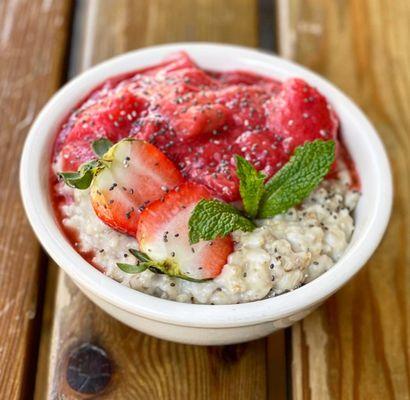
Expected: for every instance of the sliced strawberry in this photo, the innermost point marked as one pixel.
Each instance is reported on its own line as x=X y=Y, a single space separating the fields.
x=135 y=174
x=163 y=235
x=300 y=114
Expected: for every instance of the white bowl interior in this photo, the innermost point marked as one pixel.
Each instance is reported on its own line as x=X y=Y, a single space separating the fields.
x=371 y=215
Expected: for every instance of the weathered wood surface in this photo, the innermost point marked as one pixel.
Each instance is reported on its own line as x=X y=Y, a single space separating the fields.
x=357 y=346
x=144 y=367
x=33 y=37
x=354 y=347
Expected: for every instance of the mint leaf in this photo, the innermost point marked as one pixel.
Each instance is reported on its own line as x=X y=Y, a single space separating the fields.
x=101 y=146
x=212 y=218
x=296 y=180
x=250 y=185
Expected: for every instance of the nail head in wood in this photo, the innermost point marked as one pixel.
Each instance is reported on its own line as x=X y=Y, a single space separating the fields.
x=88 y=369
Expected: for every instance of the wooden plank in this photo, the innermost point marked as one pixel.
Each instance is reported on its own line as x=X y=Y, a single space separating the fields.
x=357 y=344
x=120 y=25
x=33 y=37
x=143 y=366
x=43 y=362
x=276 y=365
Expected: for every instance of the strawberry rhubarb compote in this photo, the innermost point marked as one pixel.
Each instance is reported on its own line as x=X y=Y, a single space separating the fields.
x=151 y=191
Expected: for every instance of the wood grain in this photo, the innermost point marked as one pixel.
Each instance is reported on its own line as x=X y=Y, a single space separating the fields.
x=43 y=361
x=277 y=371
x=357 y=346
x=33 y=37
x=122 y=25
x=145 y=367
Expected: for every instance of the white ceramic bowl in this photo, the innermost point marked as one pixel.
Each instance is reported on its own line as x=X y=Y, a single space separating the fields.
x=193 y=323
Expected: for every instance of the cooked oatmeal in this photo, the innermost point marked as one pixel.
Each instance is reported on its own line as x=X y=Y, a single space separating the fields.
x=280 y=255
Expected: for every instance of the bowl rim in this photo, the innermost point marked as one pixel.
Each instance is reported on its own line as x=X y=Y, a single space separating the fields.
x=201 y=315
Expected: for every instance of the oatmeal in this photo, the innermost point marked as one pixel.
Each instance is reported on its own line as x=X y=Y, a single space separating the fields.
x=280 y=255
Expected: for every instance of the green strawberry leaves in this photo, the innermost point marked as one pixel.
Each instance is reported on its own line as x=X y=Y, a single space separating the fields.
x=82 y=178
x=139 y=255
x=287 y=188
x=144 y=262
x=133 y=268
x=101 y=146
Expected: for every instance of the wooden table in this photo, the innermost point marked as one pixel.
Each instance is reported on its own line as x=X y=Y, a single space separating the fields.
x=356 y=346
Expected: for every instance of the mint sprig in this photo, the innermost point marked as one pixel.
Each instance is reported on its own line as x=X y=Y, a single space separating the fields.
x=251 y=185
x=212 y=218
x=297 y=178
x=287 y=188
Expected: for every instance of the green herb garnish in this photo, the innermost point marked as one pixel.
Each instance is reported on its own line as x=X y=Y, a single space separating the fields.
x=212 y=218
x=297 y=178
x=288 y=187
x=251 y=185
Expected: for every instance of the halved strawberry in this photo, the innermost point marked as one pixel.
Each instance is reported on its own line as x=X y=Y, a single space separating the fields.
x=135 y=173
x=162 y=234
